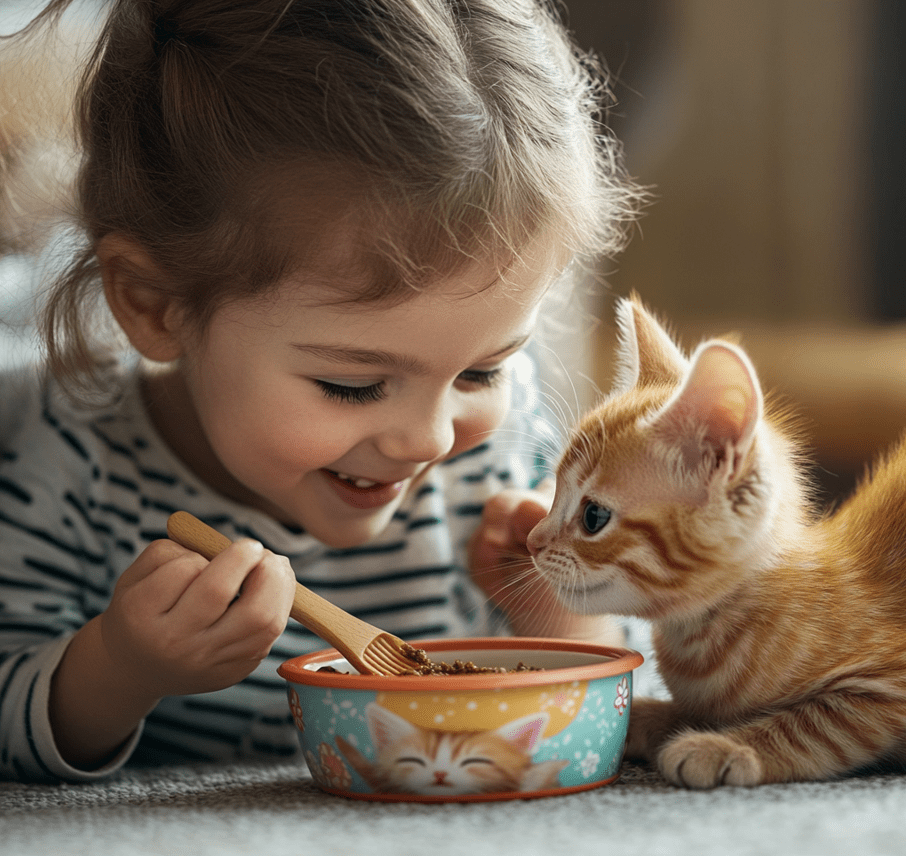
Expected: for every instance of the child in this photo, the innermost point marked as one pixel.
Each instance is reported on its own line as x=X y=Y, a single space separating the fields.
x=327 y=228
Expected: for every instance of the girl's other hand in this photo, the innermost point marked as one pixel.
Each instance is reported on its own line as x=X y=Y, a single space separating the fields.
x=502 y=567
x=179 y=624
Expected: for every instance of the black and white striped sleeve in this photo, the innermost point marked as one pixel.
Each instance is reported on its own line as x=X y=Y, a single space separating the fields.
x=53 y=579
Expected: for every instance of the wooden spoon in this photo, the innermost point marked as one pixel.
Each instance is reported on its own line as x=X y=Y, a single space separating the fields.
x=369 y=649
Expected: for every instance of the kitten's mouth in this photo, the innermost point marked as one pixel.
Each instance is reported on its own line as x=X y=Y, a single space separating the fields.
x=573 y=594
x=597 y=587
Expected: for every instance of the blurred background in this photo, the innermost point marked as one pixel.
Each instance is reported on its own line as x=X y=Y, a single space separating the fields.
x=771 y=134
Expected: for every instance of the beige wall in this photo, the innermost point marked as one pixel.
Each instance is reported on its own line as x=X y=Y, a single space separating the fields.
x=747 y=117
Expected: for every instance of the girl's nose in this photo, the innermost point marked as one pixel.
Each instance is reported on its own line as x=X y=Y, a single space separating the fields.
x=421 y=436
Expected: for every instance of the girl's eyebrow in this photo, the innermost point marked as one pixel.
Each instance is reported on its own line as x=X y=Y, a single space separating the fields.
x=388 y=359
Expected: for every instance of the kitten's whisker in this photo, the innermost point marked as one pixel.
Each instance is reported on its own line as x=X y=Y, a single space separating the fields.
x=559 y=410
x=568 y=375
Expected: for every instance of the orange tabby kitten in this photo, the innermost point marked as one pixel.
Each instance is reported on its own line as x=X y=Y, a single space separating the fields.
x=414 y=760
x=779 y=633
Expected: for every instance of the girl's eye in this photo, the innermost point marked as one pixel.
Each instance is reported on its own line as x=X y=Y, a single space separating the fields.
x=351 y=394
x=595 y=517
x=487 y=378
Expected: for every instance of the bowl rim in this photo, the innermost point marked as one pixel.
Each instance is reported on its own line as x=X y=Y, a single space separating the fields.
x=619 y=661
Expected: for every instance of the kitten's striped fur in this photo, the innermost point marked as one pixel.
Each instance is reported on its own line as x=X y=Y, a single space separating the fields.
x=779 y=633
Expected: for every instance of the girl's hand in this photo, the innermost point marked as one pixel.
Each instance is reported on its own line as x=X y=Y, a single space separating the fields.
x=501 y=566
x=179 y=624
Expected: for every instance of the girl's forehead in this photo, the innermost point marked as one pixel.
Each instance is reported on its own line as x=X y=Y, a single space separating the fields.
x=477 y=288
x=467 y=318
x=353 y=280
x=357 y=246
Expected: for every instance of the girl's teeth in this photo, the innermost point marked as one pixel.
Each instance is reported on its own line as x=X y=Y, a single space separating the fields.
x=357 y=482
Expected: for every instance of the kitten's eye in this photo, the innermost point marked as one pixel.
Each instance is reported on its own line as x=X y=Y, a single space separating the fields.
x=595 y=517
x=411 y=760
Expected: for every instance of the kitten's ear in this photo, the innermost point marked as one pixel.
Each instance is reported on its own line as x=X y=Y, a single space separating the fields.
x=720 y=403
x=385 y=726
x=525 y=732
x=645 y=352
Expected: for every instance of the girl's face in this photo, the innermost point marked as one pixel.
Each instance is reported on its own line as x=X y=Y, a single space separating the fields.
x=325 y=415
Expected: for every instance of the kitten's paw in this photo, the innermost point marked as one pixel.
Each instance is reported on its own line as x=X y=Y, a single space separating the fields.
x=706 y=760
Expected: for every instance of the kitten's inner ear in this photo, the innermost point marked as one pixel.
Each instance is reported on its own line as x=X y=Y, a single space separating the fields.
x=646 y=355
x=720 y=398
x=525 y=732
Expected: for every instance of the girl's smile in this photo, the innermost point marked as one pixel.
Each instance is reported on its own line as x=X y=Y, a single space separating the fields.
x=364 y=493
x=324 y=414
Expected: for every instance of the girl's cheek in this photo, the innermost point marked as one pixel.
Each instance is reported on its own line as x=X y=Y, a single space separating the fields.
x=474 y=427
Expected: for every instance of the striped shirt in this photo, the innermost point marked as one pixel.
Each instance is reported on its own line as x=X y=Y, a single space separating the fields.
x=84 y=491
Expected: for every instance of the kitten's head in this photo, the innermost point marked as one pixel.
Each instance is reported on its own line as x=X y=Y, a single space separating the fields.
x=674 y=486
x=418 y=760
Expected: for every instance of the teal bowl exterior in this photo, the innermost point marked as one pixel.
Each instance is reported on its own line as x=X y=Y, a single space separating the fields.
x=456 y=738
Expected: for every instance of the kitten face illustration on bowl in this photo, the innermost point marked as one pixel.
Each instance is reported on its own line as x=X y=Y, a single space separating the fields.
x=415 y=760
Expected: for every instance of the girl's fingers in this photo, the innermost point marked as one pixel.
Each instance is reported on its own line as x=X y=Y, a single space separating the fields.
x=156 y=554
x=210 y=594
x=160 y=575
x=258 y=616
x=510 y=516
x=527 y=516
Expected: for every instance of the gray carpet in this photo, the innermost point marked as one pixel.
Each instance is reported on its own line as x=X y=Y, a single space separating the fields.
x=275 y=809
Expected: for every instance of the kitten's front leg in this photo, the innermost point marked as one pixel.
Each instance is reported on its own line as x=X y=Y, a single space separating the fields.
x=651 y=722
x=817 y=738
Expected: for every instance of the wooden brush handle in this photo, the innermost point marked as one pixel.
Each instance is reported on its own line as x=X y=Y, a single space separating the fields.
x=192 y=534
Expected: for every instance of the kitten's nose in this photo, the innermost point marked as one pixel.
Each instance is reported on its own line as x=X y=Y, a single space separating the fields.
x=536 y=540
x=439 y=777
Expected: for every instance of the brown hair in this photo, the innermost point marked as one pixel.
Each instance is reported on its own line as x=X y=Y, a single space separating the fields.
x=449 y=130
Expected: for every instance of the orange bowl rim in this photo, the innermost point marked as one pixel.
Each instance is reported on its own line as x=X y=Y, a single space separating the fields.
x=618 y=661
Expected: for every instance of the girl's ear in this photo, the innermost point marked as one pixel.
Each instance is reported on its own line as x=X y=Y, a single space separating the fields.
x=134 y=287
x=645 y=352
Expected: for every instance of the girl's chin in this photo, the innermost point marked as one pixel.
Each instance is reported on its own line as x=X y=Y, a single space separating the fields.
x=345 y=535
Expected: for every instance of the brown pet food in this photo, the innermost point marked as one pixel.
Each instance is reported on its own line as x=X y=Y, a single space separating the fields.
x=423 y=665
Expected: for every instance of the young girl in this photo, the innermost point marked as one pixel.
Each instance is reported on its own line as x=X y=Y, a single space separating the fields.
x=327 y=228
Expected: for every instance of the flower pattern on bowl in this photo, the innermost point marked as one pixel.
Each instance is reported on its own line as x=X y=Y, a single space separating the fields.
x=295 y=707
x=333 y=769
x=622 y=699
x=589 y=764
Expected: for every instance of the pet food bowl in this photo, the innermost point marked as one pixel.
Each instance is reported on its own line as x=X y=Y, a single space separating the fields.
x=457 y=737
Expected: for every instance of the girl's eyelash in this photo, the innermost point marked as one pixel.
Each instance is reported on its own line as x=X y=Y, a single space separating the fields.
x=483 y=378
x=351 y=394
x=375 y=391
